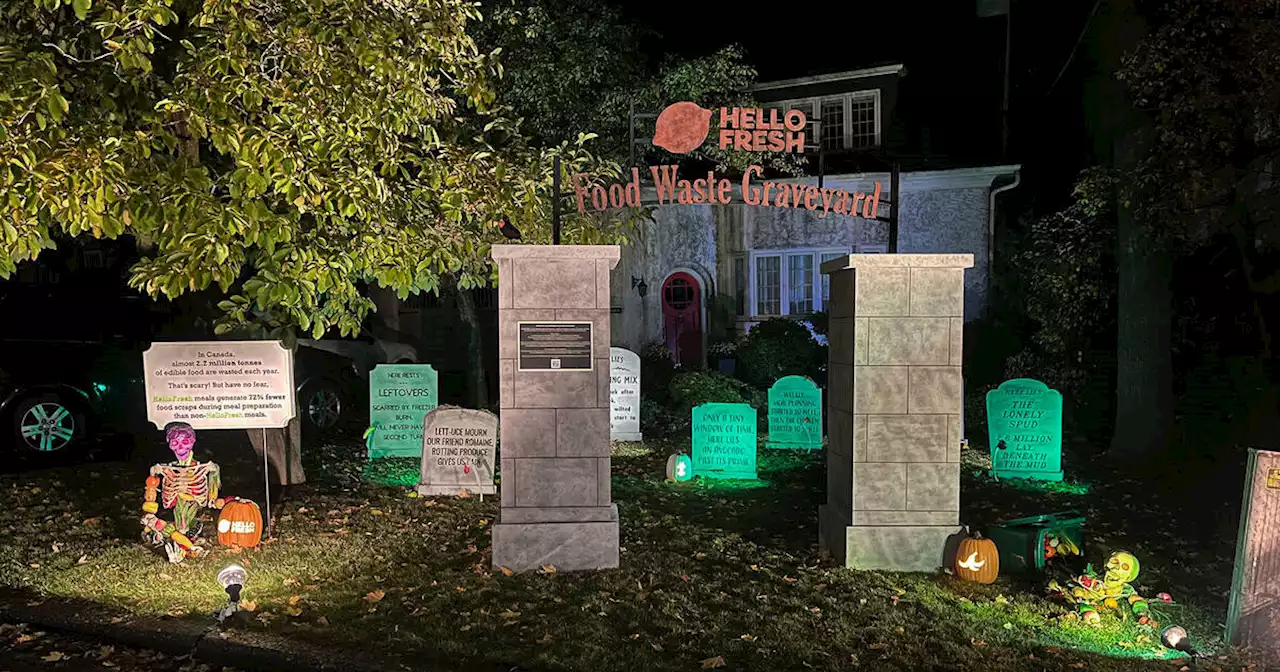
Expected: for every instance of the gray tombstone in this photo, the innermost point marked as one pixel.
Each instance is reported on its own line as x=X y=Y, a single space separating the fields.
x=459 y=446
x=553 y=365
x=624 y=395
x=1253 y=618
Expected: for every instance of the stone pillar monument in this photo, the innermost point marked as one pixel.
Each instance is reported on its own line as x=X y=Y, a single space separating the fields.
x=553 y=333
x=894 y=405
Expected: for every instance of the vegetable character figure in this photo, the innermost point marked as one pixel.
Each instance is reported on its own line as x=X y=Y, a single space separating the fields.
x=1091 y=593
x=184 y=485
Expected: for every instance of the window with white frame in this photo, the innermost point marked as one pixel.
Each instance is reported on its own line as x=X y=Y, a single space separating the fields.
x=848 y=121
x=788 y=282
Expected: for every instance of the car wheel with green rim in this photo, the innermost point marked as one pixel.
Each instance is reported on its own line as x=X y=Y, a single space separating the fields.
x=47 y=425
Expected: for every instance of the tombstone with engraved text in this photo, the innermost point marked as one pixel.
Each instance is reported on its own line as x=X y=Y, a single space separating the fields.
x=1024 y=428
x=624 y=395
x=795 y=414
x=400 y=395
x=724 y=441
x=459 y=446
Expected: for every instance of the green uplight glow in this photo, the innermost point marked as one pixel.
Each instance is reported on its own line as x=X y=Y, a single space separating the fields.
x=403 y=471
x=100 y=387
x=1061 y=487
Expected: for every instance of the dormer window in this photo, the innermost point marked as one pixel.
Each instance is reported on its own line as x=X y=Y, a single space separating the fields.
x=846 y=121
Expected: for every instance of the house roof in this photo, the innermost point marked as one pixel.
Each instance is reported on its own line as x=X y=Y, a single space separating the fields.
x=879 y=71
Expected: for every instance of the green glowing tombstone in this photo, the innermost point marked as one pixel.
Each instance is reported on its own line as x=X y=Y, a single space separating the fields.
x=795 y=414
x=724 y=441
x=400 y=396
x=1024 y=427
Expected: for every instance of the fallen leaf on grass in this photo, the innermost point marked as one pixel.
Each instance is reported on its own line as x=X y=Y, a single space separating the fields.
x=54 y=656
x=748 y=638
x=84 y=560
x=376 y=512
x=293 y=611
x=878 y=646
x=510 y=614
x=978 y=643
x=91 y=521
x=430 y=502
x=547 y=569
x=506 y=572
x=713 y=662
x=900 y=630
x=165 y=577
x=376 y=596
x=249 y=605
x=120 y=619
x=546 y=639
x=464 y=628
x=291 y=582
x=295 y=600
x=787 y=579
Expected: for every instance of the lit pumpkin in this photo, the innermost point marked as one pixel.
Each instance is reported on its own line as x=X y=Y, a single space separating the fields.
x=977 y=559
x=240 y=524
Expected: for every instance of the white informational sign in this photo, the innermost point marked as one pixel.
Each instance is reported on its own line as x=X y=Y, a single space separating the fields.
x=220 y=384
x=624 y=395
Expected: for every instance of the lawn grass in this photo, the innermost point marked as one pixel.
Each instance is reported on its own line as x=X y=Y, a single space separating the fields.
x=712 y=573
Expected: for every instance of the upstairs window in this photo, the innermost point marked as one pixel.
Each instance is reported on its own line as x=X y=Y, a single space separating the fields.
x=848 y=121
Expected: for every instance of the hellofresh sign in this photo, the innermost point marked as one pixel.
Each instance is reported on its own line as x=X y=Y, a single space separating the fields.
x=683 y=127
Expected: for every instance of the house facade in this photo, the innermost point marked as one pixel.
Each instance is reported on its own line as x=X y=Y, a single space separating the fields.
x=702 y=273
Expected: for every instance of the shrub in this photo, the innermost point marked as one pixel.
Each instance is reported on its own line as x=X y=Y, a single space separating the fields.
x=704 y=387
x=722 y=350
x=657 y=368
x=656 y=420
x=778 y=348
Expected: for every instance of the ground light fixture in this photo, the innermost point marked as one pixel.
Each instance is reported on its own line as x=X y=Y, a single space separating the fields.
x=232 y=579
x=1175 y=637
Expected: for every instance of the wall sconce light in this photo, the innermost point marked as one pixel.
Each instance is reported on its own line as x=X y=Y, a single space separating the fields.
x=639 y=285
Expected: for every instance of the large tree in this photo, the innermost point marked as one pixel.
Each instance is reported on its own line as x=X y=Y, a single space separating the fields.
x=1183 y=107
x=284 y=151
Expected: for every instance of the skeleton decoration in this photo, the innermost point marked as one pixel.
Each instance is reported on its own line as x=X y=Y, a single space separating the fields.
x=1091 y=593
x=186 y=486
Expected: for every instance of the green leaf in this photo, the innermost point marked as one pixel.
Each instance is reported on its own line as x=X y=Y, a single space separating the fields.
x=81 y=8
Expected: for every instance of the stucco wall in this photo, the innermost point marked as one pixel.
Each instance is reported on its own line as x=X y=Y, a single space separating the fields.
x=705 y=238
x=679 y=237
x=950 y=221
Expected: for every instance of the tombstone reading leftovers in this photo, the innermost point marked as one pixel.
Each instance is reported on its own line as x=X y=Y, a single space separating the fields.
x=795 y=414
x=400 y=396
x=724 y=441
x=1024 y=427
x=624 y=395
x=458 y=449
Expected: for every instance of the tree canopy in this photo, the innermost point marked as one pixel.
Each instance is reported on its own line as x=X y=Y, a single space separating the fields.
x=282 y=150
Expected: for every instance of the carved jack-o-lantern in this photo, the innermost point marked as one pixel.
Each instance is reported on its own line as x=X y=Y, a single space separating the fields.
x=977 y=559
x=240 y=524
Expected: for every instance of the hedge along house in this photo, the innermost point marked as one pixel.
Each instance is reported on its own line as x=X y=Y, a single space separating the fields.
x=702 y=273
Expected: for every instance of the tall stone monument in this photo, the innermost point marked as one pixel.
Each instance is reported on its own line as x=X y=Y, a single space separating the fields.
x=894 y=401
x=1253 y=618
x=553 y=332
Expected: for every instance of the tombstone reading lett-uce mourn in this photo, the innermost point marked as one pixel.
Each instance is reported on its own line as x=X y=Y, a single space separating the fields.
x=459 y=446
x=1024 y=427
x=1253 y=618
x=400 y=396
x=553 y=372
x=624 y=395
x=724 y=441
x=795 y=414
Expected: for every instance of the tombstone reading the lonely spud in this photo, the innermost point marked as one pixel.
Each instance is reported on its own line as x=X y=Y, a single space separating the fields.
x=459 y=446
x=1024 y=426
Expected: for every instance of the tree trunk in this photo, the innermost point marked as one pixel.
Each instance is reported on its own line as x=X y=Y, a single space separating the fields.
x=284 y=451
x=1144 y=362
x=477 y=381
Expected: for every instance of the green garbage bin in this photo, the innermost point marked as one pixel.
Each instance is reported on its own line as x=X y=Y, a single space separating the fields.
x=1021 y=541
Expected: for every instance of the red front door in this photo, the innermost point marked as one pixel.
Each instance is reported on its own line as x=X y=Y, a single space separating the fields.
x=682 y=318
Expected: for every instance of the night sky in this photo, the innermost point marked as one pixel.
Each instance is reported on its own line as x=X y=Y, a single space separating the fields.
x=954 y=59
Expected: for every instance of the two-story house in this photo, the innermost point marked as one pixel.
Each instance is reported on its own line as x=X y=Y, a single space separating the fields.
x=706 y=272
